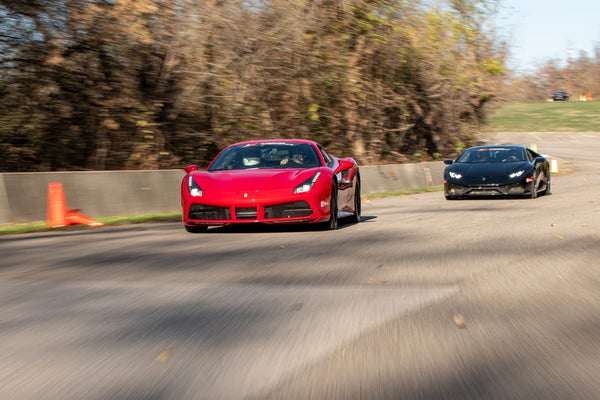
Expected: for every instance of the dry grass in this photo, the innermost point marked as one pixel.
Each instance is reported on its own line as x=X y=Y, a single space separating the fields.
x=546 y=116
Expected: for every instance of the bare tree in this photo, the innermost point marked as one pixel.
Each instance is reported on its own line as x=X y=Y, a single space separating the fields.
x=138 y=84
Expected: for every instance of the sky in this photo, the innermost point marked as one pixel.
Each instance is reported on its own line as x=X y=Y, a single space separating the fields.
x=539 y=30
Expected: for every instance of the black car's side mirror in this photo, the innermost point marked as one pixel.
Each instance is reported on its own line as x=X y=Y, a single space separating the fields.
x=538 y=160
x=448 y=161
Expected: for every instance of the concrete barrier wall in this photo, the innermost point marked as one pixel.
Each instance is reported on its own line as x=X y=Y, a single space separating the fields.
x=5 y=215
x=389 y=178
x=96 y=194
x=23 y=196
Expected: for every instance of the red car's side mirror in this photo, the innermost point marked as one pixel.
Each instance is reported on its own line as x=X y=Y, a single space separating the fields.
x=344 y=165
x=191 y=168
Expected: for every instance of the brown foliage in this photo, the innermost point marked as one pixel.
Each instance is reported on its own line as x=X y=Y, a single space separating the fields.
x=144 y=84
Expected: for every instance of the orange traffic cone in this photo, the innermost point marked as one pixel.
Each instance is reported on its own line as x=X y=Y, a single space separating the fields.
x=57 y=206
x=74 y=217
x=59 y=215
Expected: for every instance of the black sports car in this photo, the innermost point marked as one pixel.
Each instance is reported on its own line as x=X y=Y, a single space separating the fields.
x=560 y=96
x=497 y=171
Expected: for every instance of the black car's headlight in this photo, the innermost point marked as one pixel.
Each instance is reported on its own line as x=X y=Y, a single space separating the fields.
x=454 y=175
x=193 y=188
x=307 y=184
x=516 y=174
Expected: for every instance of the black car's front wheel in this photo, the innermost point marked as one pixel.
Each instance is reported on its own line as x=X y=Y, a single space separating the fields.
x=534 y=187
x=547 y=184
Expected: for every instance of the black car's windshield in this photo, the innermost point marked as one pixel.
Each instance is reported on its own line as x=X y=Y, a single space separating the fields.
x=492 y=155
x=267 y=155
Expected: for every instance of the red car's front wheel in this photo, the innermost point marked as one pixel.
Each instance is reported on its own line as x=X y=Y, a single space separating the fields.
x=357 y=203
x=332 y=224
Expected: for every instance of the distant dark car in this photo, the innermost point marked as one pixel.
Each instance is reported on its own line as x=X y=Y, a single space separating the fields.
x=560 y=96
x=509 y=170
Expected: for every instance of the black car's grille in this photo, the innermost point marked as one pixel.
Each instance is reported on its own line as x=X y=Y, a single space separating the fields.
x=288 y=210
x=484 y=192
x=245 y=213
x=203 y=212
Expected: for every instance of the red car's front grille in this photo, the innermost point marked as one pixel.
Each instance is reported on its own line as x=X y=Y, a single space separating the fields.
x=245 y=213
x=209 y=213
x=288 y=210
x=297 y=209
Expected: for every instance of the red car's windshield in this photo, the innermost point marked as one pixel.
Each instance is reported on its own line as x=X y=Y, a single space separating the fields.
x=266 y=155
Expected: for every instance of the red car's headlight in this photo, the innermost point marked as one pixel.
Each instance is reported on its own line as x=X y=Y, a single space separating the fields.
x=307 y=184
x=193 y=188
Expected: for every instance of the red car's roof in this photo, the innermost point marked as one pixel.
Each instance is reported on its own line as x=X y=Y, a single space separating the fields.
x=304 y=141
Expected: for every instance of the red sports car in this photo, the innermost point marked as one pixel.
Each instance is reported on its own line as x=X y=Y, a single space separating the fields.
x=271 y=181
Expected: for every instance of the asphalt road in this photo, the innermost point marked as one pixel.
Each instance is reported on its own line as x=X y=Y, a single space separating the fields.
x=424 y=299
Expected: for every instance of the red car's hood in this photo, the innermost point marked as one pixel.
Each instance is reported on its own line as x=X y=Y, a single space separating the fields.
x=251 y=180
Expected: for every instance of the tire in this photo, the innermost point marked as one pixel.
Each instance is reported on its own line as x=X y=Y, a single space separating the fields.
x=548 y=189
x=357 y=203
x=195 y=228
x=332 y=224
x=451 y=197
x=534 y=187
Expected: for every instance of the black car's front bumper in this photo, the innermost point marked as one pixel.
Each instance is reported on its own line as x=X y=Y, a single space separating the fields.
x=453 y=190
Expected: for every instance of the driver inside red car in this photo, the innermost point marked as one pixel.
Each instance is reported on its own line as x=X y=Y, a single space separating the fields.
x=297 y=158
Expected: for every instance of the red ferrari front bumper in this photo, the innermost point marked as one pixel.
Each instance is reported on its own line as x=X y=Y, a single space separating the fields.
x=257 y=208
